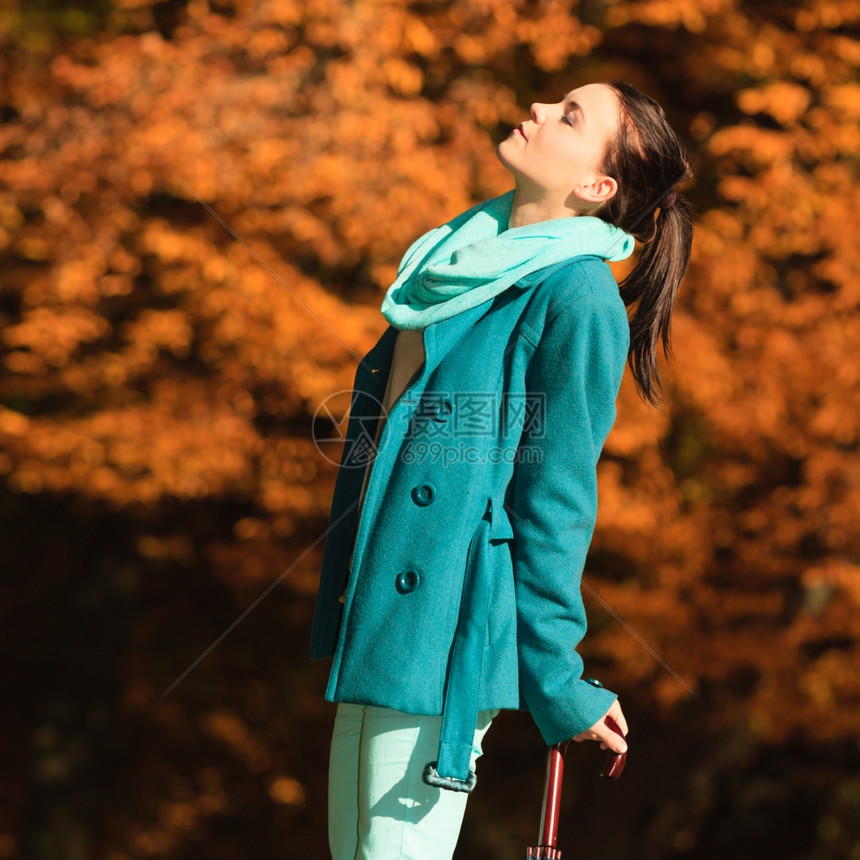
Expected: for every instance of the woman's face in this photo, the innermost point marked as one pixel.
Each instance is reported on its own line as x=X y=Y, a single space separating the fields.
x=556 y=155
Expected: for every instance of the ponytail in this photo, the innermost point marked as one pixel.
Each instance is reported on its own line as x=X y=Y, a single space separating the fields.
x=651 y=287
x=647 y=161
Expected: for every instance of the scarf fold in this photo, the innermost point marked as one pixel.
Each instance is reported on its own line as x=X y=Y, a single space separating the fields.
x=475 y=256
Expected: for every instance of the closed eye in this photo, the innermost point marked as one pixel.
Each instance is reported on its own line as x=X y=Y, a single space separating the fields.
x=566 y=119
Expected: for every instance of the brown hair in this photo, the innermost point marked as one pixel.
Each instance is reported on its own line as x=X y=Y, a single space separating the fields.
x=647 y=161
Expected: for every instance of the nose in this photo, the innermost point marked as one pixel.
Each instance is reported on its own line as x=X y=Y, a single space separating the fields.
x=537 y=112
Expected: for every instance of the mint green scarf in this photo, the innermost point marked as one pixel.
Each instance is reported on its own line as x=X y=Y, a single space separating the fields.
x=476 y=256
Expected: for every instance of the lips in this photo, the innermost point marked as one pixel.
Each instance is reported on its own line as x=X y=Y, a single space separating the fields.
x=522 y=131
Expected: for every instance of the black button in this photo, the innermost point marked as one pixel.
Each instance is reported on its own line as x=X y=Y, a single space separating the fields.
x=423 y=494
x=407 y=581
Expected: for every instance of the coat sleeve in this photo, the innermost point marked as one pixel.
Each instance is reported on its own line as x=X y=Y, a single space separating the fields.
x=575 y=373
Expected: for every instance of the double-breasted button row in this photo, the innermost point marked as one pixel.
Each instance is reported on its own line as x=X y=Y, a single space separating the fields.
x=423 y=494
x=407 y=581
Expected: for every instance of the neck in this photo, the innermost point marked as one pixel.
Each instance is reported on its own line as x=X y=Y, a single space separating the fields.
x=526 y=209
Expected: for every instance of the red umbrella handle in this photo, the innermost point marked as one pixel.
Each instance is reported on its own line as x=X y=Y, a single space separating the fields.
x=613 y=768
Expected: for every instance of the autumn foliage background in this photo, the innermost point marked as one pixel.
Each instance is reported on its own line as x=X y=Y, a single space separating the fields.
x=201 y=204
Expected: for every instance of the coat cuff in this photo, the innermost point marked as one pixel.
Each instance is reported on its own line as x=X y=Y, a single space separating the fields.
x=562 y=717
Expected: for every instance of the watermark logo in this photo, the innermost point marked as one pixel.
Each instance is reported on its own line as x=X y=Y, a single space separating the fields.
x=331 y=421
x=477 y=414
x=438 y=420
x=449 y=453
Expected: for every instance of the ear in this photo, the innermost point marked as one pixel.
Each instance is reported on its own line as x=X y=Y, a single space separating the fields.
x=597 y=190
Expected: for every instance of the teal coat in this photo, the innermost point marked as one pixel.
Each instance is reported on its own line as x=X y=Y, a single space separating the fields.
x=479 y=508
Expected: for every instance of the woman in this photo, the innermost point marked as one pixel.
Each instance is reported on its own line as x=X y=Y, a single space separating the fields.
x=450 y=578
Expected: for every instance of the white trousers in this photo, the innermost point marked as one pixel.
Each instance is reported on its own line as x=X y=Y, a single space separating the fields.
x=379 y=807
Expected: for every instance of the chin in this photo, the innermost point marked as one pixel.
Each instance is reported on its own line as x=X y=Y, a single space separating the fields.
x=500 y=154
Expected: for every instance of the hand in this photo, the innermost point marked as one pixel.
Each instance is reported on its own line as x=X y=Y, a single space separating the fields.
x=600 y=731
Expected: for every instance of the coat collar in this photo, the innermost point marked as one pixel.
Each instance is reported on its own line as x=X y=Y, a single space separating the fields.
x=440 y=337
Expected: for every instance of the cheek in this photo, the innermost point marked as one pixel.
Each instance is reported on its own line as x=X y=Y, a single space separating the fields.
x=560 y=150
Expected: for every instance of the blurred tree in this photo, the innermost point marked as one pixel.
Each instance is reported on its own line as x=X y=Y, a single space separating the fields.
x=200 y=205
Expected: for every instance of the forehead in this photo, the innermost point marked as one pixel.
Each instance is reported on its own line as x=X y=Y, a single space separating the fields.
x=600 y=105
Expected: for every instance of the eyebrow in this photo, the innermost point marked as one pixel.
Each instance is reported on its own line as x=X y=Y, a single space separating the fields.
x=576 y=106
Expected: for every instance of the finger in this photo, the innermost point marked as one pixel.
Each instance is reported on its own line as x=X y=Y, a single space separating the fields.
x=612 y=740
x=617 y=745
x=618 y=715
x=615 y=726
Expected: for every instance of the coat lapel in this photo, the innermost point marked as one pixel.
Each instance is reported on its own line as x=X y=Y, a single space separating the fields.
x=372 y=371
x=439 y=339
x=371 y=377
